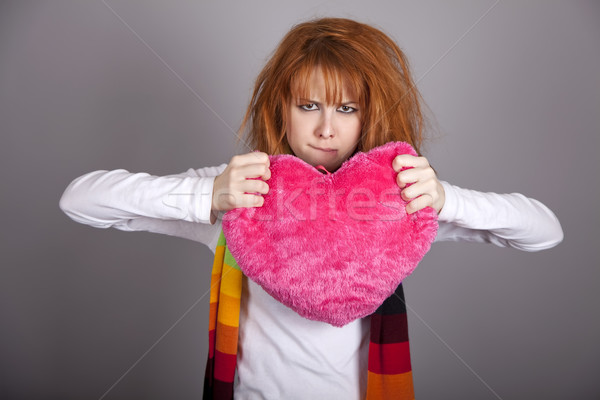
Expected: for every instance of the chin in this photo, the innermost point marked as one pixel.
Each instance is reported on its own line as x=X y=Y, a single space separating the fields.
x=333 y=167
x=330 y=166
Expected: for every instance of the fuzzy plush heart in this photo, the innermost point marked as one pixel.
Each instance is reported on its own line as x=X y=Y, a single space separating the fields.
x=333 y=246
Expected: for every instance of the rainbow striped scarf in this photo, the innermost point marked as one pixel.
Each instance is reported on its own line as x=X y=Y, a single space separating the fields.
x=389 y=371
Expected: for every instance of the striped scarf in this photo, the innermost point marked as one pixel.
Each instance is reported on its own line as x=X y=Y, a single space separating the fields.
x=389 y=369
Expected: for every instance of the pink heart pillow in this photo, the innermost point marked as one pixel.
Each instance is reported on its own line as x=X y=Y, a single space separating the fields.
x=332 y=247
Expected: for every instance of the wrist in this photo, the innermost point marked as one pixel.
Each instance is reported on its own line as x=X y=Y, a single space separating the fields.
x=449 y=209
x=442 y=199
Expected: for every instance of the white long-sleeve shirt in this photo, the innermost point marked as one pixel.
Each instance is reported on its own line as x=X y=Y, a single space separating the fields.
x=282 y=355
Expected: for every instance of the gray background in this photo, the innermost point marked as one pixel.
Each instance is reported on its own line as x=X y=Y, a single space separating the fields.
x=514 y=93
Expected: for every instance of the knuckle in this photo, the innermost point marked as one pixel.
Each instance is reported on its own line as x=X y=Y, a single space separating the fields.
x=399 y=161
x=234 y=174
x=226 y=201
x=405 y=194
x=261 y=156
x=258 y=186
x=429 y=185
x=405 y=176
x=434 y=196
x=427 y=200
x=235 y=160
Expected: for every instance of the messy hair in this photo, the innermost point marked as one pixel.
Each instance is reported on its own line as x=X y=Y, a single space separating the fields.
x=352 y=56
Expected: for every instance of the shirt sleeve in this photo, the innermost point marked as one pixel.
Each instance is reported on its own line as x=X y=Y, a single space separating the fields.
x=177 y=205
x=506 y=220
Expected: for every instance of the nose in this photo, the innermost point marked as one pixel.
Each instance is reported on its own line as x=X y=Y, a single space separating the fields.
x=325 y=128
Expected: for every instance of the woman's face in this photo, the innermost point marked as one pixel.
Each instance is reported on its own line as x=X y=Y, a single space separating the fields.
x=323 y=134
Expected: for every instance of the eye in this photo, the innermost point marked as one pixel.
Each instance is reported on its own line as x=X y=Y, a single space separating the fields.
x=347 y=109
x=309 y=107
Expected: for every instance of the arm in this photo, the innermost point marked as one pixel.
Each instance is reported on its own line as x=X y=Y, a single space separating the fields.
x=506 y=220
x=178 y=205
x=183 y=205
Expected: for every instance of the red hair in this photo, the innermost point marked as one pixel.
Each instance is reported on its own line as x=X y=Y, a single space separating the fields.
x=351 y=55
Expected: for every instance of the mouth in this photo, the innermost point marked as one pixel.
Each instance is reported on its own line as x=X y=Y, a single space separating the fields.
x=324 y=149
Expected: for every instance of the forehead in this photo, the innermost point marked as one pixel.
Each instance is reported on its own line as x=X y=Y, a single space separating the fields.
x=326 y=84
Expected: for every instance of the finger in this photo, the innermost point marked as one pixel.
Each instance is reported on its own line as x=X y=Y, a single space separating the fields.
x=254 y=171
x=408 y=161
x=259 y=157
x=254 y=186
x=248 y=200
x=229 y=201
x=406 y=177
x=419 y=203
x=413 y=175
x=418 y=189
x=255 y=157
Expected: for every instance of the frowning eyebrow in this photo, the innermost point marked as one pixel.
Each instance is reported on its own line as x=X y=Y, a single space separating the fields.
x=311 y=101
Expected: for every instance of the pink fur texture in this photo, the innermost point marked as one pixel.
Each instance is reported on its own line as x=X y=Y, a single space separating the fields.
x=332 y=247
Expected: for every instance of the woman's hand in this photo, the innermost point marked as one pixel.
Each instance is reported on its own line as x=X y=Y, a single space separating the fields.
x=242 y=183
x=419 y=183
